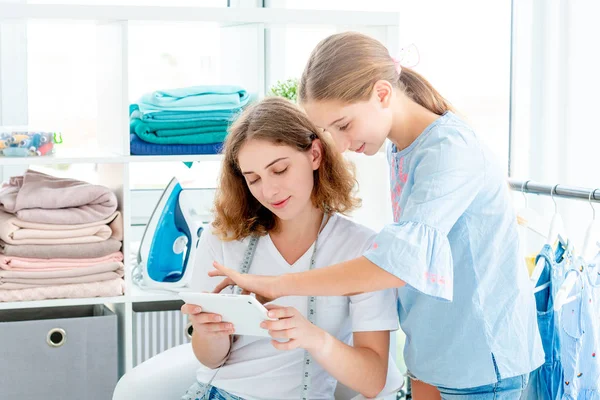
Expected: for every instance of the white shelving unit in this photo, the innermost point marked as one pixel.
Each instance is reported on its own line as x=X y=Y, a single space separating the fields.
x=244 y=29
x=69 y=156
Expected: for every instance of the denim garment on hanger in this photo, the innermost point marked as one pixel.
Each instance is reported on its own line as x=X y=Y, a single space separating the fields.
x=546 y=382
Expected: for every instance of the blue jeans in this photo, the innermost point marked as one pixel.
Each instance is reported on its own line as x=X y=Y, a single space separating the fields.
x=505 y=389
x=201 y=391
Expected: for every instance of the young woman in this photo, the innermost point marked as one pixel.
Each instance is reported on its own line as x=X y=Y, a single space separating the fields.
x=465 y=302
x=282 y=185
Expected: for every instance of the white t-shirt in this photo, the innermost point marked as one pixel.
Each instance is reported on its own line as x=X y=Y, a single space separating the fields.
x=256 y=370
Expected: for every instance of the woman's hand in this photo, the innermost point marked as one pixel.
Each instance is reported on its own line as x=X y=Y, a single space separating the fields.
x=294 y=326
x=207 y=324
x=264 y=287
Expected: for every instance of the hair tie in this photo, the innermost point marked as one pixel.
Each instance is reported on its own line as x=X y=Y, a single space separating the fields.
x=408 y=57
x=313 y=136
x=397 y=65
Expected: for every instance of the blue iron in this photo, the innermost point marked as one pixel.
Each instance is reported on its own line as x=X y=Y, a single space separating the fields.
x=168 y=247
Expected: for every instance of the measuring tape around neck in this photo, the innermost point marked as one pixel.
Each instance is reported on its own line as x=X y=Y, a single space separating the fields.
x=312 y=304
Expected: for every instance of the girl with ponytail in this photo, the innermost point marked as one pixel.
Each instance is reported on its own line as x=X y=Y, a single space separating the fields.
x=464 y=297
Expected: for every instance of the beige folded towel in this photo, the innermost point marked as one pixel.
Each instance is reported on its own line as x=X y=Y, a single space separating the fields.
x=18 y=232
x=46 y=251
x=109 y=288
x=38 y=197
x=10 y=280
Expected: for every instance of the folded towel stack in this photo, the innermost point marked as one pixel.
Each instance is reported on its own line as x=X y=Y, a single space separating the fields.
x=190 y=120
x=59 y=238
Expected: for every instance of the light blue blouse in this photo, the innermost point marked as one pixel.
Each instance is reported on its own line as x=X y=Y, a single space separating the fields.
x=468 y=308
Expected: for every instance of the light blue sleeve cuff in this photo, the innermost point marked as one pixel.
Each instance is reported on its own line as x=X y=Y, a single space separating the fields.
x=417 y=254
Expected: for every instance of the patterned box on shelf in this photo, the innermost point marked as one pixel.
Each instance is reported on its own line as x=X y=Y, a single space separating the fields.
x=158 y=326
x=63 y=353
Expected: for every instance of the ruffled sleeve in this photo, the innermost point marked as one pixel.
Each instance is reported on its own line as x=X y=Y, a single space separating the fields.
x=418 y=254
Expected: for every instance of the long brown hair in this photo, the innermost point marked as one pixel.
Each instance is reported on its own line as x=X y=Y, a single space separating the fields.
x=237 y=213
x=345 y=67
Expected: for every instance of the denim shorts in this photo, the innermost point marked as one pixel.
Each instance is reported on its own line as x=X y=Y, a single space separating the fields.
x=504 y=389
x=202 y=391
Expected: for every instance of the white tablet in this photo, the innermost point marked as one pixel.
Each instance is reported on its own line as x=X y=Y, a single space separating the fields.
x=243 y=311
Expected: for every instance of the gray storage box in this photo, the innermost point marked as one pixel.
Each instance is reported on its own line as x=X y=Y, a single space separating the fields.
x=63 y=353
x=158 y=326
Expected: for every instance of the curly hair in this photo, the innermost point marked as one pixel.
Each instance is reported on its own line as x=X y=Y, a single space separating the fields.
x=237 y=213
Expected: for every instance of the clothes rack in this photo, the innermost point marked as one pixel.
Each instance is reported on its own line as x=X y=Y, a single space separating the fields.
x=564 y=191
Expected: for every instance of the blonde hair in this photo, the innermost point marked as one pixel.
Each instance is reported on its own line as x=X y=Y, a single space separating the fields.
x=237 y=213
x=346 y=66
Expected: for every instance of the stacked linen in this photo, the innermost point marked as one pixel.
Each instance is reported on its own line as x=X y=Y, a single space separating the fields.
x=59 y=238
x=190 y=120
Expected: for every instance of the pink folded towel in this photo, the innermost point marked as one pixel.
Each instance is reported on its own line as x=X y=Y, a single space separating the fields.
x=109 y=288
x=37 y=197
x=15 y=231
x=26 y=279
x=56 y=264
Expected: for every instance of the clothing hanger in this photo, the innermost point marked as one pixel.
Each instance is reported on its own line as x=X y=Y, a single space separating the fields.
x=530 y=219
x=555 y=232
x=562 y=295
x=557 y=226
x=592 y=235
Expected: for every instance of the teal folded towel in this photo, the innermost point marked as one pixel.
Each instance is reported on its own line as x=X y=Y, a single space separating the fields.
x=176 y=128
x=194 y=138
x=195 y=98
x=166 y=115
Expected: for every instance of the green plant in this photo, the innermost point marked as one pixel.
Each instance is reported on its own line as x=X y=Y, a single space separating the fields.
x=287 y=89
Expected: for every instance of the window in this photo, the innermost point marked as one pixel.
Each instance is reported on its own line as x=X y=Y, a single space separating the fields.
x=555 y=138
x=467 y=59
